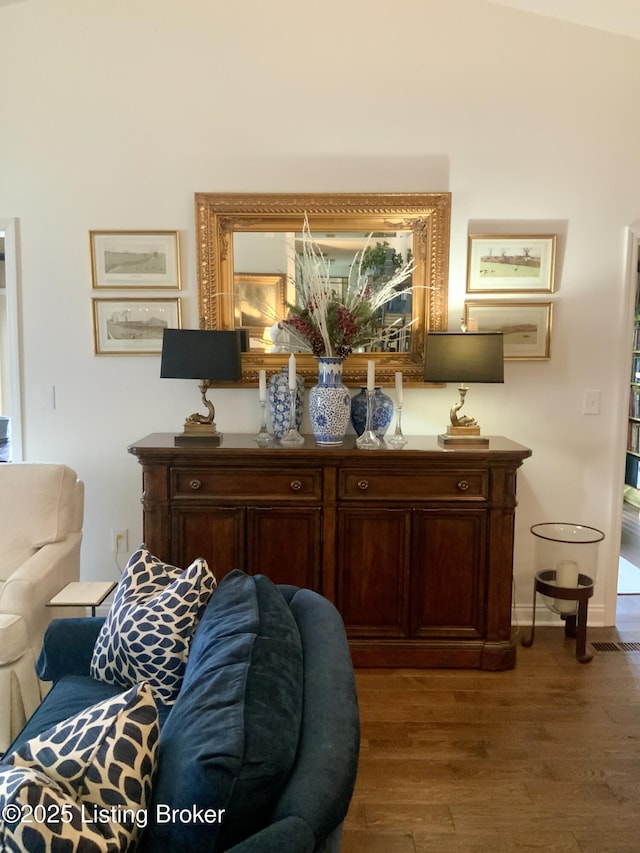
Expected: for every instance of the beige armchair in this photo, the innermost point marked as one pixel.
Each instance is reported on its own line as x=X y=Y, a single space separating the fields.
x=41 y=514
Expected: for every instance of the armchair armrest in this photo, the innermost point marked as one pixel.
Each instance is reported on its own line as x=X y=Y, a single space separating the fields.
x=67 y=647
x=30 y=587
x=43 y=574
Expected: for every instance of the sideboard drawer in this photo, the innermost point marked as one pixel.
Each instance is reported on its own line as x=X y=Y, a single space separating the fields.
x=251 y=484
x=412 y=485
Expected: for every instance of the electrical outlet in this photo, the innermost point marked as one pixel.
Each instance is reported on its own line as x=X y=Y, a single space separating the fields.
x=119 y=540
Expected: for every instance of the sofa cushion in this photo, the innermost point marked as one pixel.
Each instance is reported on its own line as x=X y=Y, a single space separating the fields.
x=85 y=783
x=230 y=740
x=148 y=630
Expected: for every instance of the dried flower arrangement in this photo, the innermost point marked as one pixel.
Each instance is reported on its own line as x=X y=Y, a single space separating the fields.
x=335 y=323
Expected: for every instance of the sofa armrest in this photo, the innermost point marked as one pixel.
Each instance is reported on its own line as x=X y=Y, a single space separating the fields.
x=67 y=647
x=291 y=834
x=322 y=782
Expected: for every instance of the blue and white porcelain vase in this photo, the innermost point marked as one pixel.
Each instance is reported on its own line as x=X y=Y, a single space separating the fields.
x=280 y=400
x=381 y=415
x=329 y=403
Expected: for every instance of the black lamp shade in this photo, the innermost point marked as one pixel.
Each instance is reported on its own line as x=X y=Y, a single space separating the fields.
x=464 y=357
x=196 y=354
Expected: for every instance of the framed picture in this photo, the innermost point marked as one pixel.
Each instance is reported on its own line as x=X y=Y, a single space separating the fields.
x=508 y=264
x=258 y=302
x=135 y=259
x=526 y=326
x=132 y=326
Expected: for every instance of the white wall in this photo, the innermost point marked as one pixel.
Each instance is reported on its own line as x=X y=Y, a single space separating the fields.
x=115 y=114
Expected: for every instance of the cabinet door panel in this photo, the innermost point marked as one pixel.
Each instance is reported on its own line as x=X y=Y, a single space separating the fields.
x=215 y=533
x=448 y=578
x=373 y=571
x=284 y=544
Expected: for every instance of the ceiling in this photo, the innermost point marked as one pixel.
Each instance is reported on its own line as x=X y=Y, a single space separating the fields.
x=615 y=16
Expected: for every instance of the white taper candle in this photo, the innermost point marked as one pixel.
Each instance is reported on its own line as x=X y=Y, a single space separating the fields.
x=292 y=372
x=262 y=385
x=398 y=388
x=371 y=375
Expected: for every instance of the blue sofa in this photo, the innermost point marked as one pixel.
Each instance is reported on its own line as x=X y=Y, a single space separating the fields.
x=263 y=739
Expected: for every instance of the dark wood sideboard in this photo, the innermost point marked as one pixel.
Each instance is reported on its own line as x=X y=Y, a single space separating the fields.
x=414 y=546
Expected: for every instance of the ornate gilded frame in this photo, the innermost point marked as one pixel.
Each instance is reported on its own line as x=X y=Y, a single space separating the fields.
x=428 y=215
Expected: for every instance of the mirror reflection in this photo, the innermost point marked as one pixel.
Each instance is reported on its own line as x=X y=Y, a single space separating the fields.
x=248 y=254
x=262 y=299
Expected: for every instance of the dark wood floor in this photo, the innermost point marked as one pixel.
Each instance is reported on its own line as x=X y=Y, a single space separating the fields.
x=544 y=757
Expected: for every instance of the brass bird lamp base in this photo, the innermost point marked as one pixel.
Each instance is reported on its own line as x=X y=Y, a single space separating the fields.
x=462 y=431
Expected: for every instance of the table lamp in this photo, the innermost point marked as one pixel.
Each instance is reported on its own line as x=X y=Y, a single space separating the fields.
x=209 y=356
x=463 y=357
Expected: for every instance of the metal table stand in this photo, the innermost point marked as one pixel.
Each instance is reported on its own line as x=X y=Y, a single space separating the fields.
x=575 y=624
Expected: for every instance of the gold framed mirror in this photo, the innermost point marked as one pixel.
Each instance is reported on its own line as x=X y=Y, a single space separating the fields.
x=246 y=256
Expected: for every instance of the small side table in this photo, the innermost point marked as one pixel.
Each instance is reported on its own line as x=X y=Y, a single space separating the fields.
x=545 y=583
x=82 y=594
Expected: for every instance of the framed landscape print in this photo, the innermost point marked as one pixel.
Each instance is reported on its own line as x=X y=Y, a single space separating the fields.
x=135 y=259
x=511 y=264
x=526 y=326
x=133 y=326
x=259 y=302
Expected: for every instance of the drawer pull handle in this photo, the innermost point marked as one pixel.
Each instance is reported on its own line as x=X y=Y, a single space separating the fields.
x=296 y=485
x=195 y=484
x=363 y=485
x=463 y=486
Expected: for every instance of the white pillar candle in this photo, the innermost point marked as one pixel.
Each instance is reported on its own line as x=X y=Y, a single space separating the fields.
x=371 y=375
x=567 y=574
x=292 y=372
x=566 y=577
x=472 y=325
x=398 y=388
x=262 y=385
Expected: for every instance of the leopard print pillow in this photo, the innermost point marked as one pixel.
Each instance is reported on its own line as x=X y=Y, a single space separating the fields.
x=148 y=630
x=85 y=784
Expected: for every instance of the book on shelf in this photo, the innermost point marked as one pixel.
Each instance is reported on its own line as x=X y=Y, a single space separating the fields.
x=633 y=437
x=632 y=472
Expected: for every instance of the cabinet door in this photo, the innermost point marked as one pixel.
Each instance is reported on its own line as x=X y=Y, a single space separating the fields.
x=284 y=544
x=373 y=571
x=215 y=533
x=448 y=573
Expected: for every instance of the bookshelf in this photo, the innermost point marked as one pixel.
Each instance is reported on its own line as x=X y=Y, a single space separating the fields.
x=632 y=468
